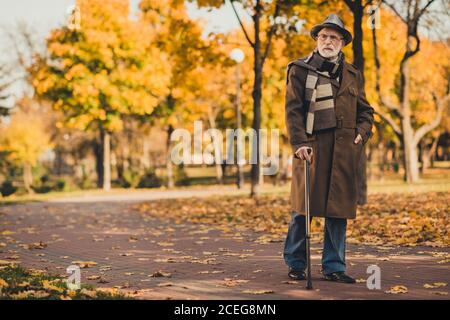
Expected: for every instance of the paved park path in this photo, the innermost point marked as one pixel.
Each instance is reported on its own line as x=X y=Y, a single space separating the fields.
x=158 y=259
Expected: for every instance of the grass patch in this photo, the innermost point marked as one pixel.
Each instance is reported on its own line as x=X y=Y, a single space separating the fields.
x=17 y=283
x=434 y=180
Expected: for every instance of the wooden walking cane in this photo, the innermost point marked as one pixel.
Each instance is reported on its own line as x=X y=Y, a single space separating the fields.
x=308 y=230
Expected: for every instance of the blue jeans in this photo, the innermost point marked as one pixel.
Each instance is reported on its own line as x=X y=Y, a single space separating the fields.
x=333 y=255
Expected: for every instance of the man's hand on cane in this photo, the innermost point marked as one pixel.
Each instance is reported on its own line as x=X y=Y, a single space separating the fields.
x=303 y=153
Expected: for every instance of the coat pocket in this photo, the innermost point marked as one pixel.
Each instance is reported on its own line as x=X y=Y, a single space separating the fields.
x=353 y=91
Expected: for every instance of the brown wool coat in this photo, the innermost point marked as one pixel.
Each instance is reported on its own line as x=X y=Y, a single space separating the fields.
x=333 y=175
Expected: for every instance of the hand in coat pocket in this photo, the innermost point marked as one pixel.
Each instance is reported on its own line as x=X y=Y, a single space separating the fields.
x=358 y=139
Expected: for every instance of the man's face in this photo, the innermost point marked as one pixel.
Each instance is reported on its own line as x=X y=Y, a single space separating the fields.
x=329 y=42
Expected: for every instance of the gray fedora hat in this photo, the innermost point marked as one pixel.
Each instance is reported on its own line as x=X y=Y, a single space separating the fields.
x=334 y=22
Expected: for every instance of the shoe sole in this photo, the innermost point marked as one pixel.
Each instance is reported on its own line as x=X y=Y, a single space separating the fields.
x=339 y=281
x=297 y=279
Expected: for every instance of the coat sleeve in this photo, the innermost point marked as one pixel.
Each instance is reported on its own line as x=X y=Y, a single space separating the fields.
x=295 y=109
x=364 y=117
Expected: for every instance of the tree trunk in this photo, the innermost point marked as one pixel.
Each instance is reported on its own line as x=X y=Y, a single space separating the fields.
x=58 y=163
x=261 y=175
x=169 y=165
x=240 y=166
x=410 y=152
x=433 y=150
x=145 y=160
x=98 y=152
x=224 y=168
x=218 y=165
x=106 y=139
x=126 y=156
x=256 y=94
x=27 y=177
x=425 y=155
x=358 y=60
x=410 y=147
x=357 y=44
x=120 y=169
x=122 y=163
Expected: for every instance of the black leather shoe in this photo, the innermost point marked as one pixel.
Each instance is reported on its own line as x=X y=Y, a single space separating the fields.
x=297 y=274
x=339 y=277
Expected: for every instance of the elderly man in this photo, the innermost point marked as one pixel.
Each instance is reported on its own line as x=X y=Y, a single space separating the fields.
x=326 y=110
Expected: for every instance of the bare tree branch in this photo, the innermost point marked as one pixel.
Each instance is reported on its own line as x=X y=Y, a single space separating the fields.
x=270 y=33
x=391 y=122
x=5 y=85
x=391 y=6
x=441 y=104
x=410 y=53
x=422 y=11
x=408 y=11
x=350 y=4
x=252 y=44
x=386 y=101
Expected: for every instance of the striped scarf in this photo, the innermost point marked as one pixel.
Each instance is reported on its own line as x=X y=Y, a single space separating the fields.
x=319 y=93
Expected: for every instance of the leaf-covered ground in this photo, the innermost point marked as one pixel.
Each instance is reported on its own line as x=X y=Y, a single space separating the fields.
x=394 y=219
x=17 y=283
x=149 y=256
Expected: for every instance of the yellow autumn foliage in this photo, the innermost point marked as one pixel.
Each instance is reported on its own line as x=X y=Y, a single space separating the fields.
x=24 y=139
x=108 y=68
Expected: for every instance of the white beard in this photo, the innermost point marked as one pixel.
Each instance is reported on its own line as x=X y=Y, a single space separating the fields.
x=329 y=53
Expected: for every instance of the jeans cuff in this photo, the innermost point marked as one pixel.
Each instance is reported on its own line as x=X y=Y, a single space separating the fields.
x=296 y=266
x=329 y=270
